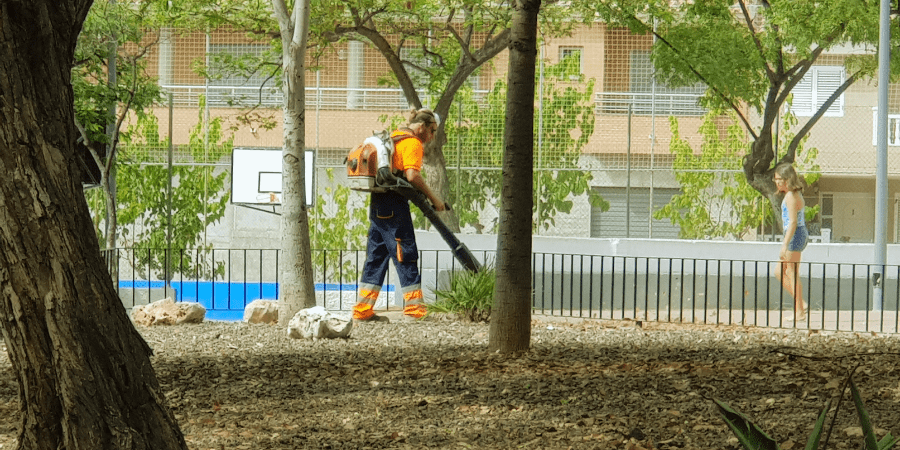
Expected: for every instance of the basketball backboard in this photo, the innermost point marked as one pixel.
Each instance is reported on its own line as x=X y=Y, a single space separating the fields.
x=256 y=176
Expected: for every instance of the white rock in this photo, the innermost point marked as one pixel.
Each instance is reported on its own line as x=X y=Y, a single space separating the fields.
x=168 y=312
x=316 y=323
x=261 y=311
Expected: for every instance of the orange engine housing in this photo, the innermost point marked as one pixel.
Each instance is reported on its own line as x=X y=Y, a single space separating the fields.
x=362 y=165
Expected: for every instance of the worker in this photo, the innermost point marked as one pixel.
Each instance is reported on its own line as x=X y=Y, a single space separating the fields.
x=391 y=235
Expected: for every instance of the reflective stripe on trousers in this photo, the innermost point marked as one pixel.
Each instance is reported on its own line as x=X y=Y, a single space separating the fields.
x=413 y=305
x=391 y=237
x=366 y=298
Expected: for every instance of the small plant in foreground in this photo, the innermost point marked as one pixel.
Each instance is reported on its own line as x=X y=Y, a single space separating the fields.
x=752 y=437
x=470 y=295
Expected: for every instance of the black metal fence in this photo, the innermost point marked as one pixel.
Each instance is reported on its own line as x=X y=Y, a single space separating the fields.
x=710 y=291
x=682 y=290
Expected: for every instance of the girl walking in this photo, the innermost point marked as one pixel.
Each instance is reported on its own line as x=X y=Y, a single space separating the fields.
x=795 y=235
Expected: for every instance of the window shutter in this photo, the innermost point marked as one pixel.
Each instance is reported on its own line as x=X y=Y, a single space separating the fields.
x=802 y=105
x=829 y=79
x=814 y=89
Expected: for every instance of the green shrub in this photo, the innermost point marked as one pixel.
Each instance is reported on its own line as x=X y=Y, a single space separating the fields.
x=752 y=437
x=470 y=295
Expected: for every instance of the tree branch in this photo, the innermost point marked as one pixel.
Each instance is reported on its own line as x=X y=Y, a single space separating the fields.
x=285 y=24
x=795 y=142
x=436 y=56
x=463 y=42
x=369 y=18
x=88 y=143
x=716 y=90
x=114 y=140
x=796 y=74
x=492 y=47
x=759 y=47
x=779 y=45
x=394 y=62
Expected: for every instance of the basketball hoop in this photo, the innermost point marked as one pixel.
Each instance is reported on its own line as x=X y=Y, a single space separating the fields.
x=268 y=197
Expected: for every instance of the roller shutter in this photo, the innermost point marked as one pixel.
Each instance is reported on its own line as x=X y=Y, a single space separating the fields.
x=612 y=224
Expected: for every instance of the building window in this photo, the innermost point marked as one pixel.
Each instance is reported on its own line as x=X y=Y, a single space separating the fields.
x=573 y=52
x=893 y=128
x=238 y=78
x=826 y=212
x=819 y=83
x=641 y=77
x=646 y=98
x=417 y=64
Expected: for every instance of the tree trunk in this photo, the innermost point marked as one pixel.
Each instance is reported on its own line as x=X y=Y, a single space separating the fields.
x=435 y=170
x=111 y=212
x=297 y=290
x=510 y=330
x=759 y=170
x=84 y=372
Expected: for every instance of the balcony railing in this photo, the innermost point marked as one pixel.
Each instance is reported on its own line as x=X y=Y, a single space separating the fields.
x=642 y=104
x=645 y=104
x=324 y=98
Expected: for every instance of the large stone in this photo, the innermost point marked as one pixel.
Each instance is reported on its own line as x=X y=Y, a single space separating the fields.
x=316 y=323
x=261 y=311
x=168 y=312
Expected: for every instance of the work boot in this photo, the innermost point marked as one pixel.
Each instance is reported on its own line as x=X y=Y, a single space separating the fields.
x=374 y=318
x=417 y=311
x=363 y=311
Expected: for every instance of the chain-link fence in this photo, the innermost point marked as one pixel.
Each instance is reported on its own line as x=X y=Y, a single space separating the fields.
x=604 y=137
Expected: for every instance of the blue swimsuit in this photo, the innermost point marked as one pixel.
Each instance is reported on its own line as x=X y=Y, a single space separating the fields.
x=801 y=236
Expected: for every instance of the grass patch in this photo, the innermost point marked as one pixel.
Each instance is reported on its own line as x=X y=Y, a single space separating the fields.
x=470 y=295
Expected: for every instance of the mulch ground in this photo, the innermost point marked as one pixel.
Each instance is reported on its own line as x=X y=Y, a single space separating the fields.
x=583 y=385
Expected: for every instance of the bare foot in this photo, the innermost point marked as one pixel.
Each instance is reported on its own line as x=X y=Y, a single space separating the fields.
x=801 y=312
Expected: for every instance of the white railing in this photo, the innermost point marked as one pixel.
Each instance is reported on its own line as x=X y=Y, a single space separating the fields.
x=645 y=104
x=325 y=98
x=393 y=99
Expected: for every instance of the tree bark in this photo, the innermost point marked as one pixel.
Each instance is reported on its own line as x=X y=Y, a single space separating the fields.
x=759 y=170
x=84 y=372
x=510 y=330
x=435 y=170
x=106 y=183
x=297 y=290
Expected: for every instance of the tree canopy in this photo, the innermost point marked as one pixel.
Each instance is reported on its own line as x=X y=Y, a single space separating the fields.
x=111 y=84
x=563 y=125
x=751 y=55
x=432 y=47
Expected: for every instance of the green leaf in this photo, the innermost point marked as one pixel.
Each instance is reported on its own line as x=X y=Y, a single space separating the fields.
x=476 y=140
x=748 y=433
x=815 y=437
x=864 y=422
x=887 y=442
